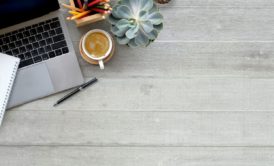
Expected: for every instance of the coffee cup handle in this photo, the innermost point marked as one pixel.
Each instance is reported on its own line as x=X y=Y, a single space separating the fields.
x=101 y=64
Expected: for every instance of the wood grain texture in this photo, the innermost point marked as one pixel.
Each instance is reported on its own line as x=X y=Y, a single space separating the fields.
x=145 y=156
x=191 y=60
x=207 y=24
x=74 y=127
x=143 y=94
x=222 y=3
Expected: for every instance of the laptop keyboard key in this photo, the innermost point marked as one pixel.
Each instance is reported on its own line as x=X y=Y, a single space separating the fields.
x=38 y=37
x=5 y=48
x=13 y=38
x=9 y=53
x=25 y=41
x=22 y=49
x=37 y=59
x=15 y=51
x=54 y=25
x=27 y=55
x=6 y=40
x=46 y=27
x=34 y=25
x=33 y=32
x=58 y=31
x=47 y=48
x=65 y=50
x=21 y=56
x=19 y=36
x=45 y=35
x=58 y=52
x=59 y=45
x=34 y=53
x=36 y=45
x=45 y=56
x=49 y=41
x=11 y=45
x=18 y=43
x=26 y=33
x=26 y=63
x=42 y=43
x=39 y=29
x=58 y=38
x=52 y=32
x=55 y=19
x=52 y=54
x=41 y=50
x=32 y=39
x=29 y=47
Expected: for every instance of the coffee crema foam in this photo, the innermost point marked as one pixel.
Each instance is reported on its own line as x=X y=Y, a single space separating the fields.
x=97 y=44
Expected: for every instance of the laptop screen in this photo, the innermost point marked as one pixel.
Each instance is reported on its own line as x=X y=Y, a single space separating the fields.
x=16 y=11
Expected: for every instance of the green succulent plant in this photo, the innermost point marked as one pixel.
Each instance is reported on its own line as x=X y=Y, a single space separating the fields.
x=136 y=23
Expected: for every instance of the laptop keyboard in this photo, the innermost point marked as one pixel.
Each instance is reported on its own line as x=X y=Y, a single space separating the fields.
x=35 y=43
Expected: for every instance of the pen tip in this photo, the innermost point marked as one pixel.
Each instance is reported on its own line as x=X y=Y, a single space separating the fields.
x=55 y=105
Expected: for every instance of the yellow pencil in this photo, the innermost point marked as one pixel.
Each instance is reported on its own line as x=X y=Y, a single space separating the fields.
x=72 y=8
x=80 y=15
x=74 y=12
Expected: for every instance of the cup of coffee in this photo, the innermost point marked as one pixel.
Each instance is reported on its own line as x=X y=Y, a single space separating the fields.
x=97 y=45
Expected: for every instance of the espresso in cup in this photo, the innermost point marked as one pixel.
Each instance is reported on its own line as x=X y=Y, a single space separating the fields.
x=97 y=45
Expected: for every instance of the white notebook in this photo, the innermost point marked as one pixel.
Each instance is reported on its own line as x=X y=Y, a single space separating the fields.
x=8 y=69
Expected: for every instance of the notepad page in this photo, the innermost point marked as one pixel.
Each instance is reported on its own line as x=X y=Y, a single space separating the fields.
x=8 y=69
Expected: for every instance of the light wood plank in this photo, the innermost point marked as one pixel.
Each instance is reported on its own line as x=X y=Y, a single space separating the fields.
x=86 y=156
x=194 y=94
x=74 y=127
x=222 y=3
x=181 y=60
x=206 y=24
x=215 y=3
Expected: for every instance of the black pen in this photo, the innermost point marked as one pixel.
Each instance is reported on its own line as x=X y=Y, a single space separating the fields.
x=76 y=91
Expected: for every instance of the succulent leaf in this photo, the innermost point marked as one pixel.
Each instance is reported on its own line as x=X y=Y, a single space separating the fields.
x=147 y=26
x=124 y=12
x=153 y=35
x=136 y=23
x=123 y=40
x=131 y=33
x=141 y=39
x=156 y=18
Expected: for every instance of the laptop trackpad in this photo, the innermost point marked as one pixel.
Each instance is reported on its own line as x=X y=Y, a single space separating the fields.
x=30 y=84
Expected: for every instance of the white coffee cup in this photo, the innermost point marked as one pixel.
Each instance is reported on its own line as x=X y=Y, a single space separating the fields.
x=102 y=58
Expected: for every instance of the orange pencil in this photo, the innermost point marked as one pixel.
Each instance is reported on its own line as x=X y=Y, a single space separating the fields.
x=80 y=15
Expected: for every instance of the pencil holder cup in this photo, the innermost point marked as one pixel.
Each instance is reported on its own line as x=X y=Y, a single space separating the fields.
x=88 y=11
x=89 y=19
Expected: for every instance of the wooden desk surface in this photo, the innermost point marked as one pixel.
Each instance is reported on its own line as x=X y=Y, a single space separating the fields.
x=202 y=94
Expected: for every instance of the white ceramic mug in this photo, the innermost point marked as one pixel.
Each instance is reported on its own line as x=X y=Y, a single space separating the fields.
x=100 y=59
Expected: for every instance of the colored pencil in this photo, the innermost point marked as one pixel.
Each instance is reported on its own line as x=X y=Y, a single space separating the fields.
x=94 y=3
x=80 y=4
x=80 y=15
x=72 y=8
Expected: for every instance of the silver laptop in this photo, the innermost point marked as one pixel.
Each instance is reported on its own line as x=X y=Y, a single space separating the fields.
x=34 y=31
